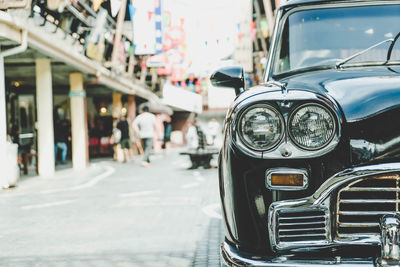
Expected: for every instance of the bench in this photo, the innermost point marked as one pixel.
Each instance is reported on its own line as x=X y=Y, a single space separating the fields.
x=201 y=157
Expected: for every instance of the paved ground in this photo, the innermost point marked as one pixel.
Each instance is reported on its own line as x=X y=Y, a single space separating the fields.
x=114 y=214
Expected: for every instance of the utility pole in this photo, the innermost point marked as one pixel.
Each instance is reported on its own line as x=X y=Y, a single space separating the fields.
x=270 y=16
x=118 y=34
x=258 y=28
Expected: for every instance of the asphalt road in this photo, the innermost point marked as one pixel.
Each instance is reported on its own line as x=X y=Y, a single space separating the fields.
x=114 y=214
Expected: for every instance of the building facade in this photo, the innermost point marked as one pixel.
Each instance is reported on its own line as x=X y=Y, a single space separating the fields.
x=65 y=60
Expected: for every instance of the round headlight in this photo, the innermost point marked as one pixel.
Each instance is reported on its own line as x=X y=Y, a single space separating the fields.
x=311 y=127
x=261 y=127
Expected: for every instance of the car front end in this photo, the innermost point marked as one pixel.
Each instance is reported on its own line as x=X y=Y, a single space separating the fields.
x=310 y=167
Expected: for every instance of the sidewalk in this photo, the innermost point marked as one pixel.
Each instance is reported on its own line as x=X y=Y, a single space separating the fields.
x=114 y=214
x=65 y=177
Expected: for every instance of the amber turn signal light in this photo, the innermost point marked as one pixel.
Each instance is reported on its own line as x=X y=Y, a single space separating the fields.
x=283 y=179
x=286 y=179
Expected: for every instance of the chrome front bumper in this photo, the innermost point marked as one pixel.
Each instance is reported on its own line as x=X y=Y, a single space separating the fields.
x=232 y=257
x=388 y=238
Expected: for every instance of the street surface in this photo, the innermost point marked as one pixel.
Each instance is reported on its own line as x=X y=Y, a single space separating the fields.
x=114 y=214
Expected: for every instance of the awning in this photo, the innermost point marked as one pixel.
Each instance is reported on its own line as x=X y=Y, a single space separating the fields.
x=156 y=108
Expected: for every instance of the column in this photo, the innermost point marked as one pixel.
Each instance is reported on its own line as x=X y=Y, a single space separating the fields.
x=131 y=109
x=270 y=15
x=117 y=105
x=79 y=131
x=258 y=28
x=3 y=126
x=45 y=127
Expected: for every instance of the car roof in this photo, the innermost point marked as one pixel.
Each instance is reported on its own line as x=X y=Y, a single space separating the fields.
x=290 y=3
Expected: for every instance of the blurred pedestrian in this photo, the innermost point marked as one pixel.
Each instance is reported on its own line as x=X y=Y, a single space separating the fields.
x=61 y=138
x=167 y=131
x=123 y=126
x=196 y=142
x=116 y=142
x=195 y=136
x=144 y=124
x=213 y=128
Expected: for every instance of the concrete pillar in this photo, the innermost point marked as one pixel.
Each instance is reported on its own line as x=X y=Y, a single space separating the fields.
x=45 y=126
x=79 y=131
x=131 y=109
x=117 y=105
x=3 y=126
x=258 y=28
x=270 y=15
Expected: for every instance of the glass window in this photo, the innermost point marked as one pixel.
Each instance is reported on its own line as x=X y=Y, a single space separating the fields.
x=324 y=36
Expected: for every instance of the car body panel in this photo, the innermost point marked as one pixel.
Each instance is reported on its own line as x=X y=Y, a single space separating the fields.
x=364 y=100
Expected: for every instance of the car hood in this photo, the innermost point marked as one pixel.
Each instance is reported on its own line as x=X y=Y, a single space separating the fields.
x=360 y=92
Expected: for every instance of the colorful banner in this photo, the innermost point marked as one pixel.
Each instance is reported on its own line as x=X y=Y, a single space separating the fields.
x=97 y=4
x=115 y=7
x=144 y=26
x=95 y=47
x=158 y=18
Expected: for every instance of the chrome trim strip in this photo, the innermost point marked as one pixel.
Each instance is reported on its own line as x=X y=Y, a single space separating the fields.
x=363 y=212
x=374 y=189
x=360 y=224
x=361 y=218
x=302 y=223
x=321 y=200
x=301 y=235
x=390 y=240
x=270 y=172
x=272 y=46
x=303 y=217
x=355 y=201
x=231 y=257
x=352 y=174
x=296 y=230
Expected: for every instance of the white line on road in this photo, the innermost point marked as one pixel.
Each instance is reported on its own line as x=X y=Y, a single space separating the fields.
x=136 y=194
x=200 y=178
x=46 y=205
x=213 y=211
x=190 y=185
x=109 y=170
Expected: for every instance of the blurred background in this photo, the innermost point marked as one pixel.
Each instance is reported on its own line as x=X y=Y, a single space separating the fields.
x=71 y=69
x=114 y=56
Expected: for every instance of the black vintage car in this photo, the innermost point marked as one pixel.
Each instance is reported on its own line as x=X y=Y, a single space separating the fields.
x=310 y=166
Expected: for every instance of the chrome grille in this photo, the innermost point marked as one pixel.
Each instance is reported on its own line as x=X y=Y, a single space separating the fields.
x=301 y=226
x=361 y=204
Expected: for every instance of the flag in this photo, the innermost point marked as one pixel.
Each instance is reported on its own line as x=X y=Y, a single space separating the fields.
x=115 y=7
x=96 y=4
x=132 y=11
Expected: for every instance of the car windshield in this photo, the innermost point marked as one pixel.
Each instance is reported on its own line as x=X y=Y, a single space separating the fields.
x=325 y=36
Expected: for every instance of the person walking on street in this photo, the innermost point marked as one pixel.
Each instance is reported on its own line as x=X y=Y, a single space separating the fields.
x=123 y=126
x=61 y=138
x=116 y=141
x=144 y=124
x=213 y=129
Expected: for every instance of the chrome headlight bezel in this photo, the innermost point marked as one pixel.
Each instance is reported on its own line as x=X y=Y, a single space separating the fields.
x=307 y=105
x=285 y=104
x=271 y=109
